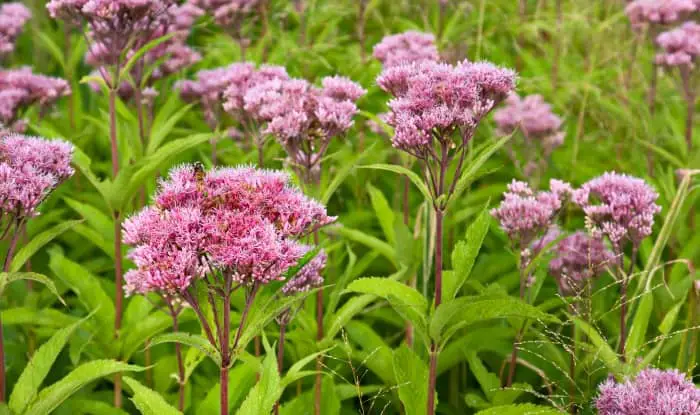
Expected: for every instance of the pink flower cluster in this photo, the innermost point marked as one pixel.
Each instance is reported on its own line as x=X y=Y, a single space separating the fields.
x=625 y=209
x=228 y=12
x=579 y=257
x=534 y=118
x=437 y=99
x=681 y=46
x=651 y=392
x=309 y=277
x=239 y=221
x=113 y=24
x=524 y=214
x=30 y=168
x=298 y=114
x=406 y=47
x=20 y=88
x=13 y=16
x=661 y=12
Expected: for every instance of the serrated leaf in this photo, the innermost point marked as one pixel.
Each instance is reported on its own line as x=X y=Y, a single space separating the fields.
x=266 y=392
x=385 y=288
x=411 y=378
x=415 y=179
x=51 y=397
x=39 y=241
x=383 y=212
x=192 y=340
x=465 y=253
x=489 y=382
x=27 y=386
x=148 y=401
x=8 y=277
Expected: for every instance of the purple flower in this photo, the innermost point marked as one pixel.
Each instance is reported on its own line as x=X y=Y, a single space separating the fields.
x=309 y=277
x=661 y=12
x=239 y=221
x=436 y=100
x=228 y=12
x=524 y=214
x=579 y=257
x=13 y=16
x=651 y=392
x=625 y=209
x=20 y=89
x=681 y=46
x=406 y=47
x=245 y=78
x=30 y=168
x=534 y=118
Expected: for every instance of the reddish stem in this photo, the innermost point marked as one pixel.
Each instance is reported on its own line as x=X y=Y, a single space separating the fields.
x=319 y=337
x=280 y=357
x=432 y=379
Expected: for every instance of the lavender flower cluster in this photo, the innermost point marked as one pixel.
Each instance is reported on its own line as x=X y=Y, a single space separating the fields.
x=437 y=99
x=651 y=392
x=20 y=89
x=242 y=222
x=578 y=258
x=13 y=17
x=534 y=118
x=680 y=46
x=405 y=48
x=659 y=12
x=228 y=12
x=30 y=168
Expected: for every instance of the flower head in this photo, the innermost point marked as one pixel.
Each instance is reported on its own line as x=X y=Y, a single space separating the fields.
x=524 y=214
x=651 y=392
x=30 y=168
x=406 y=47
x=240 y=221
x=534 y=118
x=641 y=12
x=578 y=258
x=13 y=17
x=438 y=99
x=308 y=277
x=625 y=209
x=20 y=89
x=681 y=46
x=228 y=12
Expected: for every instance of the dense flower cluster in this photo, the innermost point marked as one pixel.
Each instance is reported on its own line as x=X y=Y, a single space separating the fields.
x=30 y=168
x=681 y=46
x=406 y=47
x=651 y=392
x=244 y=76
x=534 y=118
x=309 y=277
x=625 y=211
x=578 y=258
x=241 y=222
x=304 y=118
x=20 y=88
x=437 y=99
x=524 y=214
x=662 y=12
x=228 y=12
x=113 y=24
x=13 y=16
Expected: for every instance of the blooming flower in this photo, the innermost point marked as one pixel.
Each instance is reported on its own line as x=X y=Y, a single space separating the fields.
x=651 y=392
x=681 y=46
x=524 y=214
x=534 y=118
x=240 y=221
x=626 y=207
x=406 y=47
x=20 y=89
x=30 y=168
x=579 y=257
x=309 y=277
x=228 y=12
x=664 y=12
x=13 y=16
x=437 y=99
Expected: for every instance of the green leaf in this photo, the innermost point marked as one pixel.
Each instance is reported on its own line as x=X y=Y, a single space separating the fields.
x=133 y=59
x=266 y=392
x=51 y=397
x=159 y=134
x=489 y=382
x=416 y=179
x=347 y=167
x=383 y=211
x=369 y=241
x=27 y=386
x=37 y=242
x=638 y=330
x=137 y=333
x=601 y=350
x=475 y=165
x=411 y=377
x=192 y=340
x=670 y=319
x=346 y=312
x=465 y=253
x=521 y=409
x=460 y=312
x=88 y=289
x=8 y=277
x=385 y=288
x=242 y=376
x=147 y=401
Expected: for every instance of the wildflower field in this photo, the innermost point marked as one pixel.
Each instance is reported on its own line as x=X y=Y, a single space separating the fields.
x=335 y=207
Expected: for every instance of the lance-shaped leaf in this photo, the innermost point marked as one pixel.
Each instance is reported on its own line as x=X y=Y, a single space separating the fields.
x=148 y=401
x=8 y=277
x=37 y=242
x=192 y=340
x=411 y=378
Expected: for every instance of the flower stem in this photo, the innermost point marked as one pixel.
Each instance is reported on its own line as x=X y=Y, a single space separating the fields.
x=6 y=268
x=432 y=380
x=180 y=363
x=319 y=337
x=280 y=357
